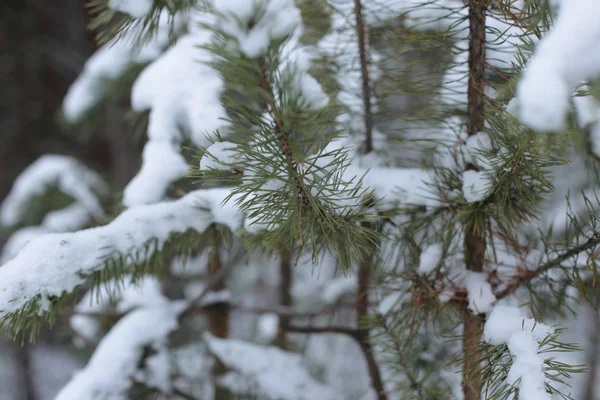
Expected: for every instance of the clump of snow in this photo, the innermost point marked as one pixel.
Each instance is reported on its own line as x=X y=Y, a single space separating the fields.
x=567 y=55
x=64 y=172
x=182 y=94
x=506 y=325
x=114 y=364
x=475 y=185
x=162 y=165
x=268 y=326
x=278 y=18
x=338 y=287
x=135 y=8
x=430 y=258
x=218 y=155
x=274 y=373
x=477 y=146
x=124 y=293
x=479 y=291
x=110 y=61
x=587 y=109
x=57 y=263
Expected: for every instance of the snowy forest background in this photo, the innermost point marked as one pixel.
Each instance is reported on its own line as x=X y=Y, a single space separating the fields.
x=309 y=199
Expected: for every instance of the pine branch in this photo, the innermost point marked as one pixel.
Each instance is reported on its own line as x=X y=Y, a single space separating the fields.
x=408 y=370
x=284 y=142
x=525 y=278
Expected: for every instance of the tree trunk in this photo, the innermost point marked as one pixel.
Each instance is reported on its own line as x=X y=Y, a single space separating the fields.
x=474 y=244
x=362 y=310
x=285 y=295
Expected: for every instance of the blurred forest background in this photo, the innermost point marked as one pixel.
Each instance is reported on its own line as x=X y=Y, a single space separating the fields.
x=43 y=47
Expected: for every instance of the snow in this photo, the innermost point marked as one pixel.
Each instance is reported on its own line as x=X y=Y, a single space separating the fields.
x=278 y=19
x=56 y=263
x=182 y=94
x=163 y=164
x=339 y=287
x=587 y=109
x=477 y=146
x=268 y=326
x=567 y=55
x=64 y=172
x=125 y=293
x=276 y=374
x=430 y=258
x=69 y=218
x=218 y=155
x=476 y=185
x=111 y=61
x=135 y=8
x=506 y=325
x=109 y=373
x=479 y=291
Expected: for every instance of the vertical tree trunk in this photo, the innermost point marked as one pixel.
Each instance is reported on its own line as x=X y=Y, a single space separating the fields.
x=362 y=310
x=285 y=295
x=364 y=68
x=24 y=367
x=474 y=244
x=217 y=313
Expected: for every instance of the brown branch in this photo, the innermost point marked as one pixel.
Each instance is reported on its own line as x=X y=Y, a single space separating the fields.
x=183 y=394
x=522 y=279
x=364 y=67
x=284 y=142
x=353 y=333
x=358 y=336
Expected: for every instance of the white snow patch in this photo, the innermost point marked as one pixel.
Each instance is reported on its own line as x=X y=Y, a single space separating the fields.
x=476 y=185
x=506 y=325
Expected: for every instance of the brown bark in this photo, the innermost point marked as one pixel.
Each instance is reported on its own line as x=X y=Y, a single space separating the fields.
x=362 y=310
x=474 y=243
x=217 y=314
x=285 y=295
x=364 y=69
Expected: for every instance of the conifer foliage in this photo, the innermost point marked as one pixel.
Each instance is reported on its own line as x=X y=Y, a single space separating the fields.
x=382 y=199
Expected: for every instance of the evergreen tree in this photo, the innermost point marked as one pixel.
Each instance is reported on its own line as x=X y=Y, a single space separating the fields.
x=292 y=233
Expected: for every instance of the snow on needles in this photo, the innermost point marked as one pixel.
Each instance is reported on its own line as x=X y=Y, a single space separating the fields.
x=111 y=61
x=182 y=94
x=64 y=172
x=506 y=325
x=274 y=373
x=114 y=365
x=568 y=55
x=135 y=8
x=57 y=263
